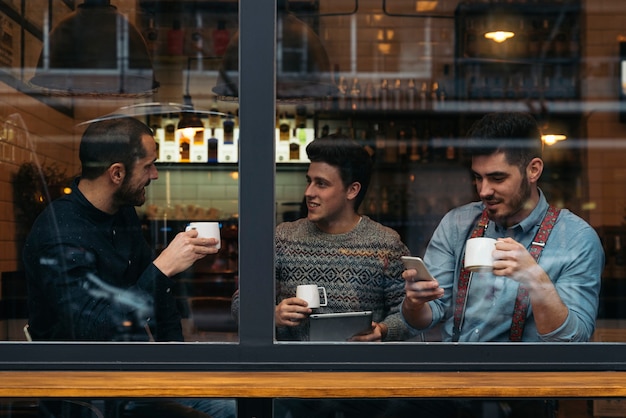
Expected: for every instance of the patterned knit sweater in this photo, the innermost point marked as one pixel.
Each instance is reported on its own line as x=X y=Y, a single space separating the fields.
x=361 y=270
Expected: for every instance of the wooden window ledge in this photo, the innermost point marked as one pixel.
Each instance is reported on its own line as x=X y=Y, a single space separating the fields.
x=297 y=384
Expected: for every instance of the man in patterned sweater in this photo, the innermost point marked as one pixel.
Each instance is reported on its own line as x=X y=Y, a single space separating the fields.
x=356 y=259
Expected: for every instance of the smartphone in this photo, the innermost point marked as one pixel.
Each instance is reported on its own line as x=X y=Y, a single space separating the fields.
x=417 y=264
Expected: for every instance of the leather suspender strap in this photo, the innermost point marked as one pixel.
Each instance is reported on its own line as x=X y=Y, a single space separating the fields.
x=522 y=300
x=464 y=278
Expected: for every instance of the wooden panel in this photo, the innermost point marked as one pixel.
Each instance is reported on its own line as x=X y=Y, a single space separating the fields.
x=313 y=384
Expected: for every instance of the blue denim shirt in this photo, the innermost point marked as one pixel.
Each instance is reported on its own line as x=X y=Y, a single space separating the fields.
x=573 y=258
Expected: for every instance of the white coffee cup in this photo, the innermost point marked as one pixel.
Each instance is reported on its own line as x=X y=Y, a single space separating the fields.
x=311 y=293
x=478 y=254
x=207 y=230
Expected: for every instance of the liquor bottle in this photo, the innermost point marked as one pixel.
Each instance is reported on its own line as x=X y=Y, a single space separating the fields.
x=301 y=115
x=199 y=147
x=424 y=95
x=411 y=94
x=229 y=129
x=383 y=95
x=396 y=94
x=355 y=95
x=434 y=92
x=170 y=129
x=212 y=144
x=284 y=128
x=342 y=92
x=169 y=148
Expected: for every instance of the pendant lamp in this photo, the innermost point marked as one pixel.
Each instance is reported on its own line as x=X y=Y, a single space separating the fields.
x=302 y=66
x=95 y=51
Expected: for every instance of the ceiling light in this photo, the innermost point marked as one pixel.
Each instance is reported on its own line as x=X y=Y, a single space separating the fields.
x=95 y=50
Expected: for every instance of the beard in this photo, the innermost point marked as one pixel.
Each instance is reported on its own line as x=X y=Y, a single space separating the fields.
x=130 y=195
x=517 y=203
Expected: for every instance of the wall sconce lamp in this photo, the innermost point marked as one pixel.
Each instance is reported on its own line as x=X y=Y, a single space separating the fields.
x=551 y=139
x=499 y=36
x=95 y=51
x=552 y=131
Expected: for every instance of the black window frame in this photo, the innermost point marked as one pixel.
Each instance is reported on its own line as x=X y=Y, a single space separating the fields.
x=256 y=349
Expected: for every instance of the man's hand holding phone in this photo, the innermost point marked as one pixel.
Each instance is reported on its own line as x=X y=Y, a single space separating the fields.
x=420 y=287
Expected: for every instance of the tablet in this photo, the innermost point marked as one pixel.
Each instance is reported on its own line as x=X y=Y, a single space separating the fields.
x=338 y=326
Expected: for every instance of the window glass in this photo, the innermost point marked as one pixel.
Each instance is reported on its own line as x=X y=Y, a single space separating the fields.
x=411 y=82
x=155 y=62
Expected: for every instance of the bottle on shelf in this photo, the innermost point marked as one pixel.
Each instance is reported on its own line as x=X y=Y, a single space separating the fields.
x=355 y=94
x=396 y=94
x=301 y=115
x=411 y=94
x=383 y=95
x=169 y=148
x=212 y=144
x=229 y=129
x=424 y=96
x=227 y=148
x=342 y=93
x=284 y=127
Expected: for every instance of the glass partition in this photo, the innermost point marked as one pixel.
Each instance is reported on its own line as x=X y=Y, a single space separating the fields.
x=405 y=81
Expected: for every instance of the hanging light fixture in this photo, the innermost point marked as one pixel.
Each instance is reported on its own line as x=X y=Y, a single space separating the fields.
x=95 y=50
x=302 y=65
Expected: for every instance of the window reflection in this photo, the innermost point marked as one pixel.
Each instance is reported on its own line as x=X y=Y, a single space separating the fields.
x=406 y=85
x=409 y=87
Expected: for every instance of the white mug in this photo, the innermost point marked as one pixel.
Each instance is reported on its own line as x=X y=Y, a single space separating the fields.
x=207 y=230
x=311 y=293
x=478 y=254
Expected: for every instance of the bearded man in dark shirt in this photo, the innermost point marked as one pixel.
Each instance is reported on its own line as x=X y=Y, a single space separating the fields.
x=91 y=274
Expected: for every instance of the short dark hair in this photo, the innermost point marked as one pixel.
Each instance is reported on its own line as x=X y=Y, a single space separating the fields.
x=352 y=160
x=109 y=141
x=516 y=134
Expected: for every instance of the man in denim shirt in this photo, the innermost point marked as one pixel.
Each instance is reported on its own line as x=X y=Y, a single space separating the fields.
x=562 y=287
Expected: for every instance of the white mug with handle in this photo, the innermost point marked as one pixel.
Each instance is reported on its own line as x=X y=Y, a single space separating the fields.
x=311 y=293
x=207 y=230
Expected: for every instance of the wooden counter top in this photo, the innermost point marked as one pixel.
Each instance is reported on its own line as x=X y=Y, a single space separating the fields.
x=312 y=384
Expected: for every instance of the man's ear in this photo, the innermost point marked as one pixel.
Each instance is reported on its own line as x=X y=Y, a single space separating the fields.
x=117 y=172
x=534 y=170
x=353 y=190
